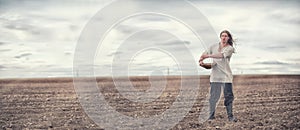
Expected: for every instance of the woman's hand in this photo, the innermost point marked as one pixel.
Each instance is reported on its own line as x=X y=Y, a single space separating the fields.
x=204 y=56
x=201 y=62
x=204 y=65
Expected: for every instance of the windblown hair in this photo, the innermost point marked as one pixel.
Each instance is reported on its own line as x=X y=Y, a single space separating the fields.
x=230 y=40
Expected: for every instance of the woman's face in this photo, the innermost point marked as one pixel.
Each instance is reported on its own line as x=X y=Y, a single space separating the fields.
x=224 y=38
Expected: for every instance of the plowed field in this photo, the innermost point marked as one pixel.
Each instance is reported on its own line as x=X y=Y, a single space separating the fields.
x=261 y=102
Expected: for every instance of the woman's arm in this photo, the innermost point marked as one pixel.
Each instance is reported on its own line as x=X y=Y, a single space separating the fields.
x=219 y=55
x=204 y=56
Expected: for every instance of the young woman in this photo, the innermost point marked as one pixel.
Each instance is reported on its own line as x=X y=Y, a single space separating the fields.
x=221 y=75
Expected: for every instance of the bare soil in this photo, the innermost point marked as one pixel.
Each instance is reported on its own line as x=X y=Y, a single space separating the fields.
x=261 y=102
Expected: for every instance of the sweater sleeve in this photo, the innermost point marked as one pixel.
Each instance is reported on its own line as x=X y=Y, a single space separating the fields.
x=227 y=52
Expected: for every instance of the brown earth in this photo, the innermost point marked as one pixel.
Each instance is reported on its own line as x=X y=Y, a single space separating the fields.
x=261 y=102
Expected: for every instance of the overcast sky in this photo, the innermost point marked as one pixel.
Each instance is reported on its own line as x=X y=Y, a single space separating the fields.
x=39 y=38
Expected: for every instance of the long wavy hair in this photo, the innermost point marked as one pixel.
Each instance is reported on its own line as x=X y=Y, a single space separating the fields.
x=230 y=40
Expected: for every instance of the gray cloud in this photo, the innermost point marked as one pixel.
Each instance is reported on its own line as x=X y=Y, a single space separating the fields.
x=126 y=29
x=152 y=35
x=286 y=18
x=2 y=67
x=5 y=50
x=73 y=27
x=115 y=53
x=155 y=19
x=274 y=48
x=175 y=42
x=2 y=43
x=23 y=55
x=20 y=24
x=46 y=20
x=272 y=63
x=68 y=53
x=154 y=3
x=287 y=13
x=293 y=59
x=16 y=27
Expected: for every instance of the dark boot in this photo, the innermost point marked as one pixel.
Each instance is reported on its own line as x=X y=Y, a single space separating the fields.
x=231 y=118
x=211 y=115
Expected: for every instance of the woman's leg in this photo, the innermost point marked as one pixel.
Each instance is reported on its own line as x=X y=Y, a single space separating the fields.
x=229 y=97
x=215 y=91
